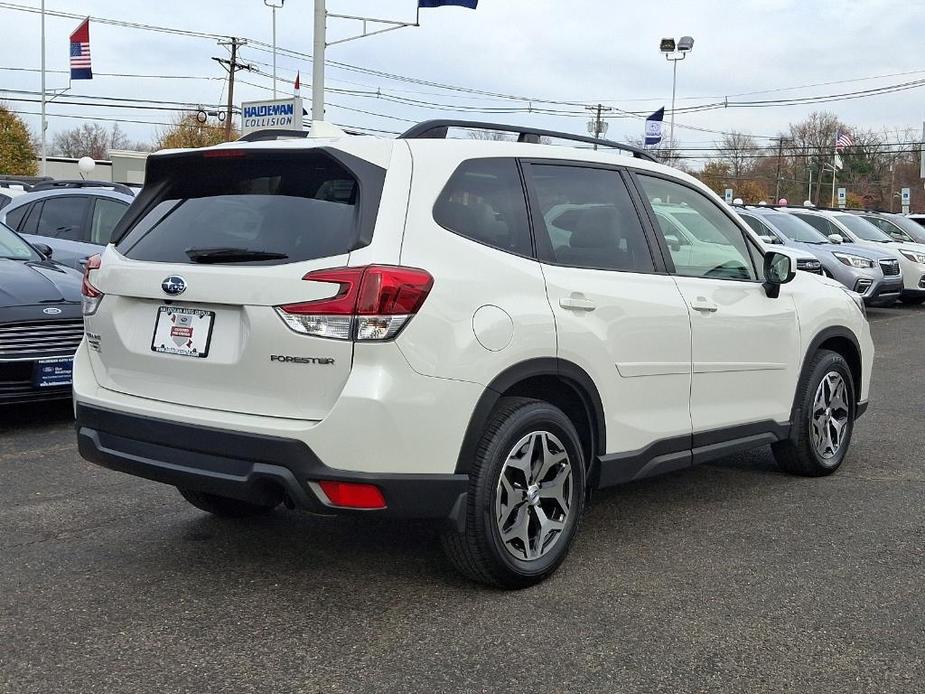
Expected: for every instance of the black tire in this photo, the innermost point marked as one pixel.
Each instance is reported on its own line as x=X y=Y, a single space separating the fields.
x=798 y=454
x=912 y=300
x=224 y=506
x=479 y=552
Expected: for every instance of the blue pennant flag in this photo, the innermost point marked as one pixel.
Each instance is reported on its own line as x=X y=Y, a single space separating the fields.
x=471 y=4
x=654 y=127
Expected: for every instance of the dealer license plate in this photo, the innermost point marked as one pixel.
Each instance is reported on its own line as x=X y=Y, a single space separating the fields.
x=183 y=331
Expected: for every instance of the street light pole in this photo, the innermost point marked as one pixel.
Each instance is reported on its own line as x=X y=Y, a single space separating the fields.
x=674 y=84
x=275 y=7
x=674 y=52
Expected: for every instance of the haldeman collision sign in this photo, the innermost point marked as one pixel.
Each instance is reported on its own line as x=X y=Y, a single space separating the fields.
x=282 y=114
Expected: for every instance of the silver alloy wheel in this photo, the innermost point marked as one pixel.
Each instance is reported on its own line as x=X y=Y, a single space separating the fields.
x=534 y=495
x=830 y=417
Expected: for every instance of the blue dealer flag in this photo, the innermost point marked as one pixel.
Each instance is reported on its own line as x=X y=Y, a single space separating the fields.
x=471 y=4
x=654 y=127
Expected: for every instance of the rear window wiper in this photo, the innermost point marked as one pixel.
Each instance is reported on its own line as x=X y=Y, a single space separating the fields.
x=231 y=255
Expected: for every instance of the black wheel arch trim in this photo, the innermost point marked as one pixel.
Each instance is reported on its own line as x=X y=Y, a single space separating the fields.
x=569 y=372
x=821 y=337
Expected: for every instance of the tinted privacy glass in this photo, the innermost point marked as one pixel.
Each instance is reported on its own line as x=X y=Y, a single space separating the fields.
x=484 y=201
x=63 y=218
x=589 y=218
x=14 y=217
x=297 y=206
x=710 y=243
x=106 y=214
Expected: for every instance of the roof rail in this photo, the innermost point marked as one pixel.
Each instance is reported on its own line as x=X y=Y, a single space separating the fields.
x=269 y=134
x=437 y=129
x=80 y=183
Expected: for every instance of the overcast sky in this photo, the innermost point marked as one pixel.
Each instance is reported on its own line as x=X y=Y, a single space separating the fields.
x=564 y=50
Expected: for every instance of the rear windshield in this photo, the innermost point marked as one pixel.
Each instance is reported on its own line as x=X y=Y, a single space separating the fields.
x=260 y=208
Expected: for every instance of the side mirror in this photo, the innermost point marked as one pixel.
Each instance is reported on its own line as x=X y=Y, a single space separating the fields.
x=768 y=239
x=43 y=248
x=674 y=243
x=778 y=270
x=835 y=238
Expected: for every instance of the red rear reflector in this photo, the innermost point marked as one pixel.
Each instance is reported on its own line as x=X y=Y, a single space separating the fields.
x=352 y=494
x=224 y=153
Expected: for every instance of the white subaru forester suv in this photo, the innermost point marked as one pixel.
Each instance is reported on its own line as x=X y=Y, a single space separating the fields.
x=471 y=331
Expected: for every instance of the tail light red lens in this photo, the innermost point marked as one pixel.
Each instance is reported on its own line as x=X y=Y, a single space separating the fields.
x=372 y=303
x=352 y=494
x=91 y=296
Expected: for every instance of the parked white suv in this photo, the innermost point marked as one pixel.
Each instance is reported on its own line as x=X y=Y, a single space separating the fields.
x=390 y=327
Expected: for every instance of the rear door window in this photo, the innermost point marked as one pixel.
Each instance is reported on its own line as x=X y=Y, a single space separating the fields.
x=63 y=217
x=256 y=207
x=589 y=219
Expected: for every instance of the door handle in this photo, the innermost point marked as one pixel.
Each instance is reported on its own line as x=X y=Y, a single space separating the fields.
x=703 y=305
x=577 y=303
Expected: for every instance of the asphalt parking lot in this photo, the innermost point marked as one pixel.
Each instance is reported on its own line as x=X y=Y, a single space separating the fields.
x=730 y=577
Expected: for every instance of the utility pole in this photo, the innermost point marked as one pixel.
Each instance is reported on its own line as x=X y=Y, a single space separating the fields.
x=780 y=154
x=231 y=66
x=597 y=126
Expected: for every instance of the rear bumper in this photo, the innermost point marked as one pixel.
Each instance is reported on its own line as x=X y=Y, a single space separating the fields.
x=256 y=468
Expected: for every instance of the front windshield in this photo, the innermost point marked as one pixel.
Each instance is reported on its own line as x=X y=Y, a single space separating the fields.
x=13 y=247
x=863 y=229
x=794 y=228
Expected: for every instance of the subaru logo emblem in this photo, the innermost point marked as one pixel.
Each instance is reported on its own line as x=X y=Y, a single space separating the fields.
x=174 y=285
x=51 y=311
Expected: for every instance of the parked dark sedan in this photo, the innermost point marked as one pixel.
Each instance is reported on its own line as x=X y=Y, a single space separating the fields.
x=40 y=321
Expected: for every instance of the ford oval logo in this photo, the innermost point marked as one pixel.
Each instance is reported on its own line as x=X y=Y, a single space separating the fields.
x=174 y=285
x=51 y=311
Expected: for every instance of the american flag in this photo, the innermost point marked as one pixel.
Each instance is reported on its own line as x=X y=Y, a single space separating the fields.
x=80 y=52
x=842 y=140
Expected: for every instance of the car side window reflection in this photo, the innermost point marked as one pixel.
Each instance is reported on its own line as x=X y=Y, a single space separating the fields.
x=716 y=245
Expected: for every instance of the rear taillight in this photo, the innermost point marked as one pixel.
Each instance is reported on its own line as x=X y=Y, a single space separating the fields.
x=90 y=295
x=372 y=303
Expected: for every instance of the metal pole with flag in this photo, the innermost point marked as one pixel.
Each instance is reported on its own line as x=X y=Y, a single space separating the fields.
x=80 y=52
x=42 y=126
x=654 y=127
x=471 y=4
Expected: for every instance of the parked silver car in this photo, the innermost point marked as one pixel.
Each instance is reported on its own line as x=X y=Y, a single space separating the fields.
x=856 y=267
x=75 y=222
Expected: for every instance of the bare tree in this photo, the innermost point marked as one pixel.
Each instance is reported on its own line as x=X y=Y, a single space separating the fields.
x=89 y=140
x=738 y=150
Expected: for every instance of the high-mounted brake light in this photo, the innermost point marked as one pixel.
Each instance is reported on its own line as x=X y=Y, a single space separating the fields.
x=224 y=154
x=372 y=303
x=90 y=295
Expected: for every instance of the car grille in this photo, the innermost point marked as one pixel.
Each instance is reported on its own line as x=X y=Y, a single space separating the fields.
x=889 y=267
x=40 y=338
x=813 y=266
